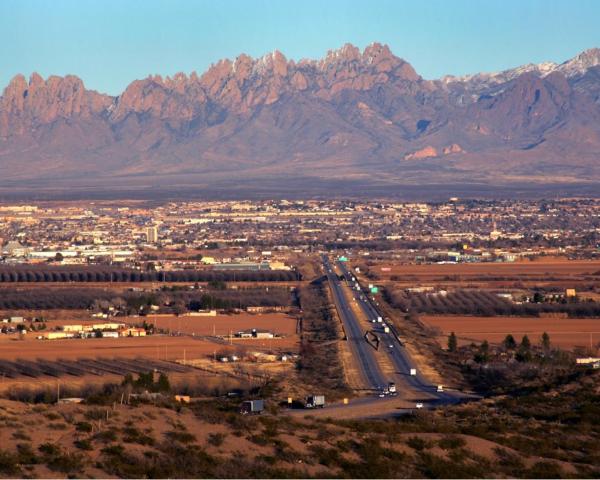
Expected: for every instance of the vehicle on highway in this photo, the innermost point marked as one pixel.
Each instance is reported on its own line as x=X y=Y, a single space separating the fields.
x=252 y=407
x=392 y=387
x=315 y=401
x=413 y=371
x=440 y=388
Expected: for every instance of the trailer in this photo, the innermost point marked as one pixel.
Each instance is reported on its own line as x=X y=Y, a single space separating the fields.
x=252 y=407
x=315 y=401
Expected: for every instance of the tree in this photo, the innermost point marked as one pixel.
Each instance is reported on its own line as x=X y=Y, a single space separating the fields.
x=510 y=342
x=163 y=385
x=538 y=297
x=524 y=353
x=545 y=341
x=179 y=307
x=452 y=343
x=58 y=257
x=482 y=356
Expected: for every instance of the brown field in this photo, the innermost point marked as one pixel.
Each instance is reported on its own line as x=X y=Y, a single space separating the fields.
x=565 y=333
x=279 y=323
x=162 y=347
x=539 y=267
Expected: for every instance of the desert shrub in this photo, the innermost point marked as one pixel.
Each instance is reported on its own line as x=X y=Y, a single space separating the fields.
x=133 y=435
x=417 y=443
x=450 y=442
x=83 y=427
x=181 y=437
x=59 y=461
x=83 y=444
x=9 y=463
x=545 y=469
x=26 y=455
x=216 y=439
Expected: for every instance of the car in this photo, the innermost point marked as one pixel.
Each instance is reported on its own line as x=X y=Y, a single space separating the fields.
x=419 y=405
x=391 y=346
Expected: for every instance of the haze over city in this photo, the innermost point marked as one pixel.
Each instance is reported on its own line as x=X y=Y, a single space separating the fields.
x=262 y=239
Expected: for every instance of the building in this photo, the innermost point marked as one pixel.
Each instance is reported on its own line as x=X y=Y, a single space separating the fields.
x=133 y=332
x=152 y=234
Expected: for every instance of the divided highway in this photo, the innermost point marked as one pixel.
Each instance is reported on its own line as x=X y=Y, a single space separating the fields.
x=399 y=356
x=361 y=350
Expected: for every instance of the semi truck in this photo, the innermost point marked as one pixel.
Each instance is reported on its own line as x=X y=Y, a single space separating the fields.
x=252 y=407
x=315 y=401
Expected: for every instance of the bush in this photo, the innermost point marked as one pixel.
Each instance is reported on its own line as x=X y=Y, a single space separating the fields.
x=216 y=439
x=450 y=442
x=417 y=443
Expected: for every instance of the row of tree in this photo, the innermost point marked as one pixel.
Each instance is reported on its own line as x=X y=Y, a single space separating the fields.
x=95 y=274
x=477 y=302
x=139 y=302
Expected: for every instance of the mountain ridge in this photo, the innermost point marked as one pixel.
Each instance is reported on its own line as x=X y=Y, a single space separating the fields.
x=361 y=115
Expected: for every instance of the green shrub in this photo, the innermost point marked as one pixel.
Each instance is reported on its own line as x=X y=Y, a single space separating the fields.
x=83 y=444
x=216 y=439
x=83 y=427
x=417 y=443
x=181 y=437
x=450 y=442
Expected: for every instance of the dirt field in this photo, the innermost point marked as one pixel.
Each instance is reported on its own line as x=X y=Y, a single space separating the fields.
x=564 y=332
x=161 y=347
x=279 y=323
x=540 y=267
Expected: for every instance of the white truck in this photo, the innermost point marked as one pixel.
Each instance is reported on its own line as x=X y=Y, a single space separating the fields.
x=252 y=407
x=315 y=401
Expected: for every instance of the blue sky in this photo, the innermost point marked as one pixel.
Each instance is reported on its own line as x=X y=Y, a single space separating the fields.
x=109 y=43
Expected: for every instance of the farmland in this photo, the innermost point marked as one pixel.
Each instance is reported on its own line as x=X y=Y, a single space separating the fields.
x=564 y=333
x=224 y=325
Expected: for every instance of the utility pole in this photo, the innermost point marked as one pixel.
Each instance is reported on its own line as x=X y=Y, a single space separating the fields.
x=57 y=391
x=184 y=356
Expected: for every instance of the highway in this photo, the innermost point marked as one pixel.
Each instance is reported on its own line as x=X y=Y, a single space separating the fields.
x=361 y=350
x=389 y=343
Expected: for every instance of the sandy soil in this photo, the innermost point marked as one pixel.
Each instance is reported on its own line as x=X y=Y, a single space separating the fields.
x=564 y=332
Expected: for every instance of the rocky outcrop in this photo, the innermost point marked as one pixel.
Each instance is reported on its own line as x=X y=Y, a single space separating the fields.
x=426 y=152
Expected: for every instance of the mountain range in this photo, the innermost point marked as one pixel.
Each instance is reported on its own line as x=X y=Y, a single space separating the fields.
x=366 y=118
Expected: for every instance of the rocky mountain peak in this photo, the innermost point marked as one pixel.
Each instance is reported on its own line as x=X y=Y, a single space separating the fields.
x=581 y=63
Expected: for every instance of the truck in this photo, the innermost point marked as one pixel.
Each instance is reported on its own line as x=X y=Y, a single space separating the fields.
x=392 y=387
x=252 y=407
x=413 y=371
x=315 y=401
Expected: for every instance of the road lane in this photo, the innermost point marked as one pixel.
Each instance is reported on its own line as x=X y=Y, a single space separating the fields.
x=361 y=350
x=399 y=355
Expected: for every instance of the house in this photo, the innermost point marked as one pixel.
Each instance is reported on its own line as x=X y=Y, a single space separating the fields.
x=132 y=332
x=570 y=293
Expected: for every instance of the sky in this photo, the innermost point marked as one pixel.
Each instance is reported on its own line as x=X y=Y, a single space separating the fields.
x=109 y=43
